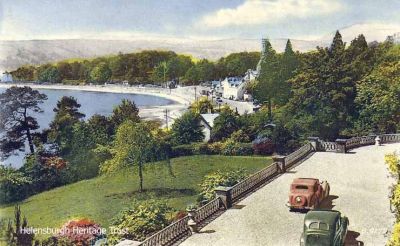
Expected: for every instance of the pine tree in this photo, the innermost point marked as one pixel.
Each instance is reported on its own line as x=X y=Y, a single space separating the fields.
x=266 y=87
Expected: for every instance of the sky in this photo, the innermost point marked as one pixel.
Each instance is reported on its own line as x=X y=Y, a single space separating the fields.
x=196 y=19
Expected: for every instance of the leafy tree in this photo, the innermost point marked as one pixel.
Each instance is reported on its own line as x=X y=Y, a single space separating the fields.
x=134 y=145
x=323 y=94
x=237 y=64
x=67 y=114
x=202 y=106
x=127 y=110
x=161 y=72
x=266 y=88
x=24 y=73
x=378 y=99
x=44 y=169
x=101 y=73
x=288 y=64
x=224 y=125
x=65 y=70
x=16 y=104
x=192 y=76
x=187 y=129
x=10 y=182
x=50 y=74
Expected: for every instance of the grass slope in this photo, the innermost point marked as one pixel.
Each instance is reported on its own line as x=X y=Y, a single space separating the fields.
x=103 y=197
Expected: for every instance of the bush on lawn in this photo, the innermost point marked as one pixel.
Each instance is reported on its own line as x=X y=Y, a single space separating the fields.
x=213 y=180
x=231 y=147
x=139 y=221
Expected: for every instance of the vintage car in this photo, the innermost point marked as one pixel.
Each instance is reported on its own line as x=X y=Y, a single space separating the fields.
x=324 y=228
x=307 y=193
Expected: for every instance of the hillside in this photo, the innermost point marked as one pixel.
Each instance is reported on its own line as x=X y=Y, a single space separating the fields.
x=17 y=53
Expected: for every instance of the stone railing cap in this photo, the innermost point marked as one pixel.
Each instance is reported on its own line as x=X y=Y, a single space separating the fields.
x=278 y=156
x=223 y=188
x=341 y=140
x=313 y=138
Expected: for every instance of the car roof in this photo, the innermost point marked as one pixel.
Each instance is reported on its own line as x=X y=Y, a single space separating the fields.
x=306 y=181
x=327 y=216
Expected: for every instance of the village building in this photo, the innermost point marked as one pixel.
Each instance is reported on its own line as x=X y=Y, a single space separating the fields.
x=207 y=121
x=234 y=88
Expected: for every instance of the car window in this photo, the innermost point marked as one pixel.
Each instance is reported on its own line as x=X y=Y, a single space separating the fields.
x=323 y=226
x=313 y=225
x=302 y=187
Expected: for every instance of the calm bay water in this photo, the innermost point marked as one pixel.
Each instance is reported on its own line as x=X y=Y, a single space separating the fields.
x=91 y=103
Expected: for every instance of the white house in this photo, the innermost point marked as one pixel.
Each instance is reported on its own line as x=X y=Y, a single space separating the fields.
x=250 y=75
x=207 y=121
x=233 y=88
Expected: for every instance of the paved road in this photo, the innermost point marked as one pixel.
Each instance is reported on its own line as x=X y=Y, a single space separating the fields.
x=359 y=187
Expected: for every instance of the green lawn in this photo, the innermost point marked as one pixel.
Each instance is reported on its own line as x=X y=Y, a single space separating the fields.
x=101 y=198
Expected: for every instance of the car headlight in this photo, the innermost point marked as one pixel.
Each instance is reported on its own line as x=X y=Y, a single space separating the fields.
x=298 y=199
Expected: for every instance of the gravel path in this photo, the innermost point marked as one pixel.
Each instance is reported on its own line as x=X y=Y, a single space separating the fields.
x=360 y=185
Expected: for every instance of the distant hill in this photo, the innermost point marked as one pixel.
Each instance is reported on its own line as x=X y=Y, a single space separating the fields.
x=17 y=53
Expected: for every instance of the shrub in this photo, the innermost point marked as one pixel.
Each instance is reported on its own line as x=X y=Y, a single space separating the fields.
x=395 y=238
x=231 y=147
x=80 y=232
x=263 y=146
x=213 y=180
x=183 y=150
x=140 y=221
x=393 y=162
x=240 y=136
x=215 y=148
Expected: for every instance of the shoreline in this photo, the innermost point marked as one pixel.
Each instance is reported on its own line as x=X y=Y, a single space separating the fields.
x=177 y=95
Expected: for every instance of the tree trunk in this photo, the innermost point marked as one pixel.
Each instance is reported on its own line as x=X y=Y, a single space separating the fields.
x=28 y=134
x=140 y=166
x=270 y=109
x=30 y=142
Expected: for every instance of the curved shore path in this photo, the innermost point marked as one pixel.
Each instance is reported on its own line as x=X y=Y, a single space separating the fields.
x=360 y=186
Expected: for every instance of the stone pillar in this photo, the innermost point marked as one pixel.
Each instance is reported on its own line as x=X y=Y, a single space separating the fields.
x=280 y=162
x=225 y=194
x=341 y=145
x=378 y=141
x=314 y=142
x=194 y=228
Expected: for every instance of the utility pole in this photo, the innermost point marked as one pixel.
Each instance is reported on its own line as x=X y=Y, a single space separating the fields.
x=166 y=117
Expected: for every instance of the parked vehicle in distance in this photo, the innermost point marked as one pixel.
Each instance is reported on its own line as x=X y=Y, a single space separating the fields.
x=324 y=228
x=307 y=193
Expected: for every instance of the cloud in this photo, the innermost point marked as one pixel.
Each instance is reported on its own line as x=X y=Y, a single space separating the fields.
x=253 y=12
